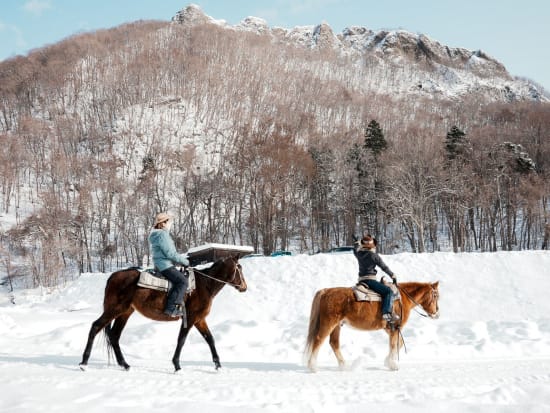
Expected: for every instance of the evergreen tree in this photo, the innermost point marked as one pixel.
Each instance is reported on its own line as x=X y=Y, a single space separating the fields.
x=523 y=162
x=456 y=143
x=374 y=139
x=370 y=180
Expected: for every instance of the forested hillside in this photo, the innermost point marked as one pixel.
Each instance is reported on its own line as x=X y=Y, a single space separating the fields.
x=250 y=140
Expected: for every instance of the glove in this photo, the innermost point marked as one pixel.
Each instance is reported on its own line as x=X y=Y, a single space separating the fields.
x=394 y=279
x=185 y=262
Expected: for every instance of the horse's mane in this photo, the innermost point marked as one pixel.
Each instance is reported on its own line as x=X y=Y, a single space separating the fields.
x=218 y=263
x=215 y=265
x=414 y=287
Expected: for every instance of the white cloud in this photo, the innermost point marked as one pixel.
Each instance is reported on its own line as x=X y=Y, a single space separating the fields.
x=37 y=6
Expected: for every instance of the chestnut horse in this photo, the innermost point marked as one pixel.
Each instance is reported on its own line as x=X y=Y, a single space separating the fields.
x=123 y=296
x=331 y=307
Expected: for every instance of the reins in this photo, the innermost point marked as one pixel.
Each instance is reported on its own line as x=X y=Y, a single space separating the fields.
x=221 y=281
x=413 y=300
x=414 y=308
x=399 y=331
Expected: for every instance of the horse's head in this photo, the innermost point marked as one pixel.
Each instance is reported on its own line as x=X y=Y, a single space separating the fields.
x=430 y=302
x=238 y=279
x=229 y=271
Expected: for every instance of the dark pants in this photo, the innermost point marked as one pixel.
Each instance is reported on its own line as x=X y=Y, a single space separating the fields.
x=179 y=286
x=384 y=291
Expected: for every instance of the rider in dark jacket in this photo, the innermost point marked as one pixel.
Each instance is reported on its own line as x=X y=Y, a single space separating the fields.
x=368 y=260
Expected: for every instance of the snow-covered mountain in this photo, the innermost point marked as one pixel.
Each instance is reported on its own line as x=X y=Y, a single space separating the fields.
x=436 y=68
x=103 y=129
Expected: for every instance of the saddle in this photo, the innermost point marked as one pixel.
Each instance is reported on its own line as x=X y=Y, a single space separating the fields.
x=149 y=278
x=364 y=293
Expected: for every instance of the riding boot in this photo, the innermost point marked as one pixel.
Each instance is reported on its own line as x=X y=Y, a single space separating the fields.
x=176 y=293
x=170 y=308
x=391 y=319
x=174 y=311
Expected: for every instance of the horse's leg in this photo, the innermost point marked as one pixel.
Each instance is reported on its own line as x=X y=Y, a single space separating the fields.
x=182 y=336
x=96 y=327
x=113 y=335
x=324 y=331
x=335 y=344
x=207 y=335
x=395 y=342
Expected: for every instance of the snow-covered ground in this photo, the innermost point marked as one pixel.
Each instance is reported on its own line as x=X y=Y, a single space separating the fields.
x=488 y=352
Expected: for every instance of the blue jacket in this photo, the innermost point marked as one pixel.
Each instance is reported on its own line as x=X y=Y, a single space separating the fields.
x=164 y=251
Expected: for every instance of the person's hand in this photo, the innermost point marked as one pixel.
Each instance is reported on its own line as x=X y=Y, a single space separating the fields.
x=185 y=262
x=394 y=279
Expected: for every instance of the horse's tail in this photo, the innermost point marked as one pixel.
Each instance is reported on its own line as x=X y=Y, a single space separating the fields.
x=108 y=344
x=314 y=324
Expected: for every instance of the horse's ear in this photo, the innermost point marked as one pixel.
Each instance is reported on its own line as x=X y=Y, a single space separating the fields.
x=435 y=284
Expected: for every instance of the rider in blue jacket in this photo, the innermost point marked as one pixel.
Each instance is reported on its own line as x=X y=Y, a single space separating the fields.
x=165 y=257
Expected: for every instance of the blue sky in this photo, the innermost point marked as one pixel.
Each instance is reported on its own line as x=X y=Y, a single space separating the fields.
x=514 y=32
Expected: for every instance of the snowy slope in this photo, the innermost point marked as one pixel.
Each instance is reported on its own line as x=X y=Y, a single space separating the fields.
x=489 y=351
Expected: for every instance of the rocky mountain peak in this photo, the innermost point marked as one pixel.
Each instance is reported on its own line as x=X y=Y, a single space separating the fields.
x=323 y=36
x=447 y=70
x=192 y=15
x=255 y=24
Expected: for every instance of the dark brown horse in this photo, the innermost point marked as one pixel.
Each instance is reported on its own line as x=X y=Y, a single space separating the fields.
x=332 y=307
x=123 y=296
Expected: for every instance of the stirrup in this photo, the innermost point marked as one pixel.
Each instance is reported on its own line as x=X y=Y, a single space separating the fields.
x=391 y=318
x=176 y=312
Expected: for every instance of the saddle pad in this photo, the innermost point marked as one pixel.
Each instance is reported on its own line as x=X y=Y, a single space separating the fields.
x=191 y=286
x=152 y=281
x=363 y=293
x=148 y=280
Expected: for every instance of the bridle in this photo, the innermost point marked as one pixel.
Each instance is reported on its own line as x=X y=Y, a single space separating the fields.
x=435 y=297
x=237 y=270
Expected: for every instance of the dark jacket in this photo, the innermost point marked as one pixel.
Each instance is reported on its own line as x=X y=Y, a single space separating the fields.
x=368 y=260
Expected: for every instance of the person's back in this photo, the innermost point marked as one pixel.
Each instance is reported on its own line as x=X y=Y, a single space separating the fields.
x=368 y=259
x=163 y=251
x=165 y=256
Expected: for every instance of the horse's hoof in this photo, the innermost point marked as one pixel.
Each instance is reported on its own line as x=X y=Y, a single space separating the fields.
x=391 y=364
x=343 y=367
x=312 y=368
x=83 y=367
